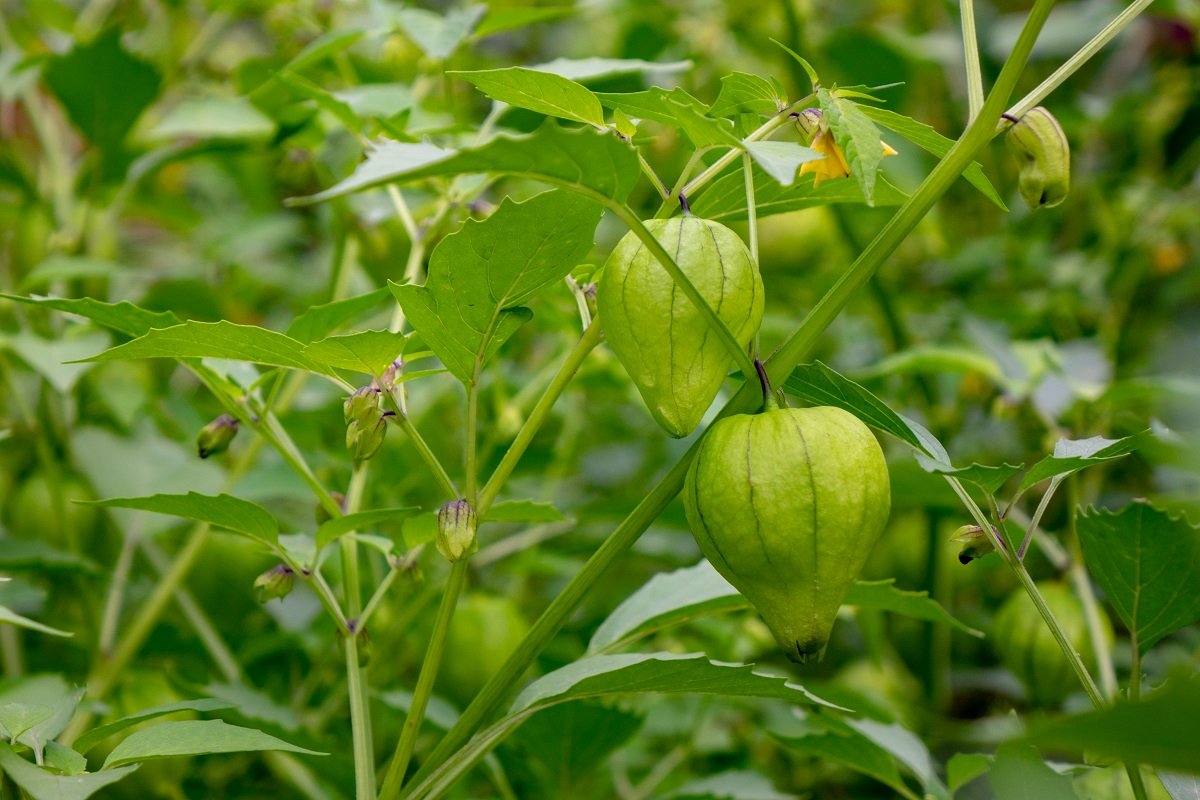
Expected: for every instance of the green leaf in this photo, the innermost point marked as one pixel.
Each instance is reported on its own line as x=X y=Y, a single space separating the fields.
x=98 y=734
x=962 y=768
x=124 y=316
x=1072 y=455
x=320 y=321
x=368 y=352
x=1148 y=564
x=831 y=740
x=585 y=157
x=332 y=529
x=858 y=137
x=7 y=615
x=194 y=738
x=500 y=20
x=931 y=141
x=748 y=94
x=1160 y=731
x=780 y=160
x=725 y=198
x=730 y=785
x=1018 y=773
x=103 y=88
x=934 y=359
x=678 y=109
x=216 y=340
x=591 y=69
x=543 y=92
x=60 y=267
x=676 y=597
x=524 y=511
x=803 y=62
x=884 y=596
x=989 y=478
x=42 y=785
x=57 y=360
x=480 y=275
x=562 y=745
x=222 y=118
x=438 y=35
x=659 y=673
x=224 y=511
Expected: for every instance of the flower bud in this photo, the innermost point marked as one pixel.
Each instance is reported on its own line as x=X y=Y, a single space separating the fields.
x=457 y=524
x=362 y=405
x=215 y=437
x=1039 y=144
x=387 y=381
x=366 y=422
x=808 y=122
x=275 y=582
x=975 y=543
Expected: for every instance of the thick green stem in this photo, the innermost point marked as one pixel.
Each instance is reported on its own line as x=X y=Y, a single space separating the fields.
x=356 y=674
x=429 y=670
x=971 y=59
x=427 y=455
x=537 y=417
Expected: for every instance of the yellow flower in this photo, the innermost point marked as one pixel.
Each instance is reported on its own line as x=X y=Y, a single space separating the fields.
x=833 y=165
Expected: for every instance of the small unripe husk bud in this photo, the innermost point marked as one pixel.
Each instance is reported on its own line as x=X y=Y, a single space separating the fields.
x=216 y=436
x=366 y=423
x=975 y=543
x=457 y=524
x=275 y=582
x=1041 y=147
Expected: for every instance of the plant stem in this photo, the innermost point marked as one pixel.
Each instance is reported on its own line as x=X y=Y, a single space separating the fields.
x=971 y=58
x=537 y=417
x=685 y=284
x=423 y=449
x=1072 y=64
x=471 y=436
x=798 y=346
x=429 y=670
x=652 y=176
x=356 y=677
x=1037 y=516
x=751 y=207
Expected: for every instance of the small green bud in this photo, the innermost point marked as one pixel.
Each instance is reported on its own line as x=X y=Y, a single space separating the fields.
x=1039 y=144
x=457 y=524
x=275 y=582
x=975 y=543
x=363 y=405
x=387 y=381
x=808 y=122
x=366 y=422
x=216 y=436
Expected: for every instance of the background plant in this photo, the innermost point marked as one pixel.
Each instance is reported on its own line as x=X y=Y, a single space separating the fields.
x=149 y=157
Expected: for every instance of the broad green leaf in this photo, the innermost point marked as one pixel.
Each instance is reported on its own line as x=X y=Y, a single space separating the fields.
x=98 y=734
x=676 y=108
x=332 y=529
x=858 y=137
x=543 y=92
x=367 y=352
x=818 y=384
x=989 y=478
x=323 y=99
x=17 y=718
x=587 y=158
x=962 y=768
x=480 y=275
x=780 y=160
x=103 y=88
x=1160 y=731
x=1019 y=773
x=884 y=596
x=932 y=360
x=562 y=745
x=1148 y=564
x=1180 y=787
x=830 y=739
x=7 y=615
x=748 y=94
x=501 y=20
x=60 y=267
x=931 y=141
x=57 y=359
x=731 y=785
x=676 y=597
x=194 y=738
x=1072 y=455
x=905 y=747
x=438 y=35
x=320 y=321
x=40 y=784
x=64 y=759
x=725 y=198
x=124 y=316
x=524 y=511
x=322 y=47
x=36 y=555
x=377 y=100
x=224 y=511
x=216 y=340
x=214 y=118
x=590 y=69
x=665 y=673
